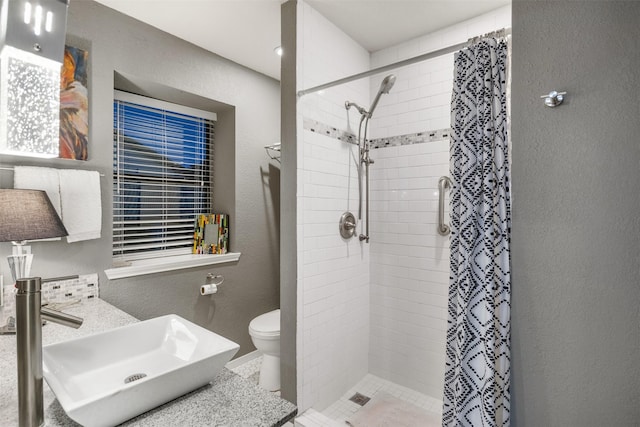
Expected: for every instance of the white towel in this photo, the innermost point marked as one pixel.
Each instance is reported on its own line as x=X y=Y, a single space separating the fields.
x=81 y=204
x=35 y=178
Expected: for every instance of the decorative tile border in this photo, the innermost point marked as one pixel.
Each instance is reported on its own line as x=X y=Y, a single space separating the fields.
x=411 y=138
x=331 y=132
x=408 y=139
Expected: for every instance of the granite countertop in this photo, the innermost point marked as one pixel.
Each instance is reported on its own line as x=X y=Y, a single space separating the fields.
x=229 y=400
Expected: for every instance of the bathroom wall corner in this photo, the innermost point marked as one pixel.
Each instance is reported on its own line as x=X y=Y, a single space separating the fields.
x=288 y=201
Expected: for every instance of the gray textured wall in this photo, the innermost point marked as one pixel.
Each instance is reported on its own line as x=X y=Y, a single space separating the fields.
x=288 y=244
x=120 y=44
x=576 y=204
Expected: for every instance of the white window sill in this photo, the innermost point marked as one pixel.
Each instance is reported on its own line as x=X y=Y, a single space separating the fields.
x=158 y=265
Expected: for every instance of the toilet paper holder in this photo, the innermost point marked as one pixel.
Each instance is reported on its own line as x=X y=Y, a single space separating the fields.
x=214 y=279
x=212 y=282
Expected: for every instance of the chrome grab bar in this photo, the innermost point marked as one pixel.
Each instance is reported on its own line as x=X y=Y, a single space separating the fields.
x=444 y=183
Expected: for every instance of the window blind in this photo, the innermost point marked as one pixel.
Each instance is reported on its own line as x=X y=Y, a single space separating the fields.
x=161 y=177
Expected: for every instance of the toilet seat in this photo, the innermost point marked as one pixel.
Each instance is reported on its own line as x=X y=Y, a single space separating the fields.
x=266 y=325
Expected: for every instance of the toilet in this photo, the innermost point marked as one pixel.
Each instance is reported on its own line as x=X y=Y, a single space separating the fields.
x=265 y=334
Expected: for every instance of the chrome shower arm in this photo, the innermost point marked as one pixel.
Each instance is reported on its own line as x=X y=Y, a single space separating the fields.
x=361 y=110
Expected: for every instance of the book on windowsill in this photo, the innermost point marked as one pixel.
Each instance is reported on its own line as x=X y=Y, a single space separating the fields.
x=211 y=234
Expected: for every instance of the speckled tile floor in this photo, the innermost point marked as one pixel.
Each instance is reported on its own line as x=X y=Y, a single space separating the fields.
x=251 y=371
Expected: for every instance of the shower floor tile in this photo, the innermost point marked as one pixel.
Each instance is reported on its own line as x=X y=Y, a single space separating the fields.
x=344 y=408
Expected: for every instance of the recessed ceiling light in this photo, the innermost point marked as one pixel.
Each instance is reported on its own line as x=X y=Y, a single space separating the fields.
x=278 y=50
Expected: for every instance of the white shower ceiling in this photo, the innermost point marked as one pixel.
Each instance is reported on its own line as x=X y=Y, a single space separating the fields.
x=247 y=31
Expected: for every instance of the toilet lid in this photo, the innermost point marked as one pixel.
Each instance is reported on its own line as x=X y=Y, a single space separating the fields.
x=266 y=324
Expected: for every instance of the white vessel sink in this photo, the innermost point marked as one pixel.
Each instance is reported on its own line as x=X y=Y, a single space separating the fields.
x=110 y=377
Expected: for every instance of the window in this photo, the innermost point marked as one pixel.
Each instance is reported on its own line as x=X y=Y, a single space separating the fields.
x=162 y=154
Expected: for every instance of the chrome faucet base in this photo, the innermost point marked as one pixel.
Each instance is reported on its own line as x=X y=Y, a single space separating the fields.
x=29 y=314
x=29 y=342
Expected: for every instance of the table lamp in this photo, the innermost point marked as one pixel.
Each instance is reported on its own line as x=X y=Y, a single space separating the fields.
x=26 y=215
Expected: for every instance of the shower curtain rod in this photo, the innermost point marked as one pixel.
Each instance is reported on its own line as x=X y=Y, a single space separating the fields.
x=409 y=61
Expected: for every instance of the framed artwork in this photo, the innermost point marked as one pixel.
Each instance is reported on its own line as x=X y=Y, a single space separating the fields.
x=211 y=235
x=74 y=105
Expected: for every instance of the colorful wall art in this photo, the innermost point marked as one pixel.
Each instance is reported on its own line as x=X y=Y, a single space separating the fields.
x=74 y=105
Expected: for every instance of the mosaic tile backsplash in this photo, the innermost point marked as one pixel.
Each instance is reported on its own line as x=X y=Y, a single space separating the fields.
x=84 y=288
x=408 y=139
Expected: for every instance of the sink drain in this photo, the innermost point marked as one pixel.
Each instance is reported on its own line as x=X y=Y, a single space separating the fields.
x=134 y=377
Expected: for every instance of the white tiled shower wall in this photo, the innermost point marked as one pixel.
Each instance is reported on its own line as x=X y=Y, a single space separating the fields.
x=409 y=260
x=333 y=274
x=409 y=266
x=421 y=97
x=386 y=316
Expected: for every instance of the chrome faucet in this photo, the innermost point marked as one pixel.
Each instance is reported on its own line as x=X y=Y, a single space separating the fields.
x=29 y=315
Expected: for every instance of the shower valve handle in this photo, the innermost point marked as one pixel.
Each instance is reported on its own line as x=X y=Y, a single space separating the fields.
x=347 y=225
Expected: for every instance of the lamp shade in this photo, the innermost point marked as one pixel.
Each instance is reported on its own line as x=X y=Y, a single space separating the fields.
x=28 y=215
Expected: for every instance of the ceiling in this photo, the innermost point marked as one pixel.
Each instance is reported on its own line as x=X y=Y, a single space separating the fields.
x=247 y=31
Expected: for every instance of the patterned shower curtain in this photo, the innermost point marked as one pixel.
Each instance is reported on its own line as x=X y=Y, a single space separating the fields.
x=476 y=389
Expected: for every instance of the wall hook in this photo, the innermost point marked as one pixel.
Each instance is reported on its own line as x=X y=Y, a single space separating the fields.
x=553 y=99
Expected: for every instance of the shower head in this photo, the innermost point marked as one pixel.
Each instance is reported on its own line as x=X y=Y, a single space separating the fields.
x=385 y=87
x=387 y=83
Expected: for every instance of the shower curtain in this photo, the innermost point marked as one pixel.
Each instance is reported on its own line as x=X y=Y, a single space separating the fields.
x=476 y=390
